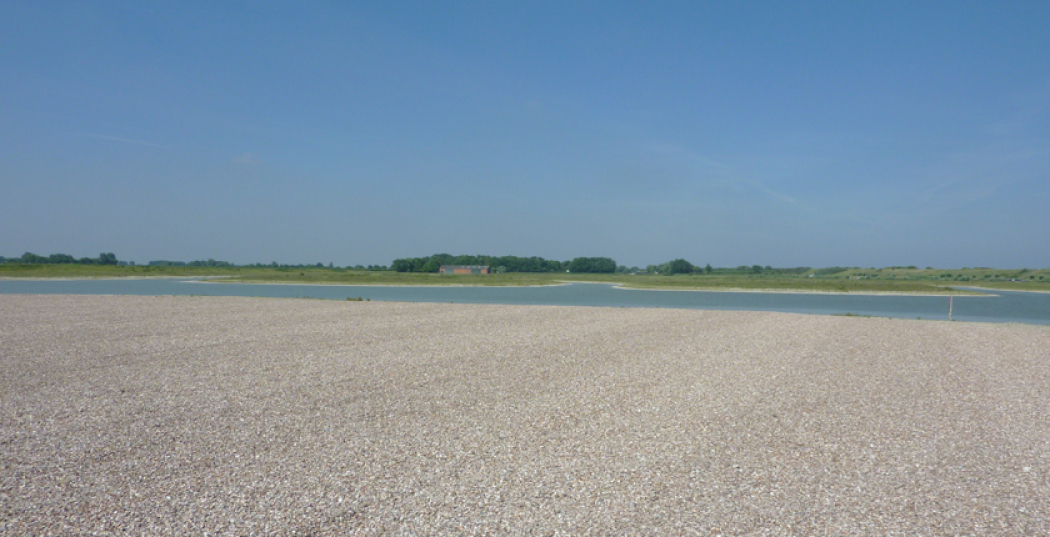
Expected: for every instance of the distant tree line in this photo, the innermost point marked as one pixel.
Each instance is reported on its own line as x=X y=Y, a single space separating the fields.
x=586 y=265
x=681 y=266
x=509 y=263
x=29 y=258
x=110 y=258
x=592 y=265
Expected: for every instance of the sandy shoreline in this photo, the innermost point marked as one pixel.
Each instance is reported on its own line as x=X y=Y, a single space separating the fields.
x=185 y=415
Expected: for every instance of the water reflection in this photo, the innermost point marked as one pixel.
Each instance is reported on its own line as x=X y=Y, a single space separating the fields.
x=1002 y=306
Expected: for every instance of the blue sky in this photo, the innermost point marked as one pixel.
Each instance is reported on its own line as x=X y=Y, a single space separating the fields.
x=771 y=133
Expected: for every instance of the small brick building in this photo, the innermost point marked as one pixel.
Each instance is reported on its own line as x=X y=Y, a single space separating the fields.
x=464 y=269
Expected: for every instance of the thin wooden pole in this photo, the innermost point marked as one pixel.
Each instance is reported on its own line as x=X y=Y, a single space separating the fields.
x=950 y=297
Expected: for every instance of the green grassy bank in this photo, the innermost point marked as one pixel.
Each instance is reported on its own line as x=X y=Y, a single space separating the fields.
x=18 y=270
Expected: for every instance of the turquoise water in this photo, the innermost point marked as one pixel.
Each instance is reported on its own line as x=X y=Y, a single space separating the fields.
x=1004 y=306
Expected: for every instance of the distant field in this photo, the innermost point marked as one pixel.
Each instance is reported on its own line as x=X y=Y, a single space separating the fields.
x=853 y=280
x=1008 y=279
x=16 y=270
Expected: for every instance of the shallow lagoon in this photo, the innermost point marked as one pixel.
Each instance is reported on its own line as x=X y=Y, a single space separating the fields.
x=1002 y=306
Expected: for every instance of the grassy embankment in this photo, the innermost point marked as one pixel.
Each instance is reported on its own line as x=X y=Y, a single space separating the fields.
x=18 y=270
x=854 y=280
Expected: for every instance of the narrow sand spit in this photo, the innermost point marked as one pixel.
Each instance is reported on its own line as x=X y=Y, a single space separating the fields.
x=234 y=416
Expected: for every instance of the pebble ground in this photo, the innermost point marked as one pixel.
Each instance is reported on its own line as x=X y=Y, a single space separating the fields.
x=128 y=415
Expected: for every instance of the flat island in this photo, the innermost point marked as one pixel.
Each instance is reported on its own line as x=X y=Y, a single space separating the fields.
x=185 y=415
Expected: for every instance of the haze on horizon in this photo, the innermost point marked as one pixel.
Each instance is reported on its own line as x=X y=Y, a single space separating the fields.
x=730 y=133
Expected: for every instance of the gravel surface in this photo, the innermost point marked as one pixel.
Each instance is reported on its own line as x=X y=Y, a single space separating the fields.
x=248 y=416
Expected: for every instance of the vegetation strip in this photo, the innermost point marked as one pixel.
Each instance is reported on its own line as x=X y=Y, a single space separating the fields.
x=530 y=271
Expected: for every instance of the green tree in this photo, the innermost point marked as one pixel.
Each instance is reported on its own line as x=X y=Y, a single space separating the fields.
x=30 y=257
x=593 y=265
x=678 y=266
x=61 y=259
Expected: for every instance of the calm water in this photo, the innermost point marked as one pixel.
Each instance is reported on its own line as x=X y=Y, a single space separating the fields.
x=1007 y=306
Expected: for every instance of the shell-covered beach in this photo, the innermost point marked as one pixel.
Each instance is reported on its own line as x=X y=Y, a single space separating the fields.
x=126 y=415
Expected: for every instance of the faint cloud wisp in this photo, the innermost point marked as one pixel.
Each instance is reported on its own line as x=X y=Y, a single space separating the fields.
x=115 y=139
x=247 y=159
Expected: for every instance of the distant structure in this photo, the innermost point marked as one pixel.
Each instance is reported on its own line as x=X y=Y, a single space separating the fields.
x=464 y=269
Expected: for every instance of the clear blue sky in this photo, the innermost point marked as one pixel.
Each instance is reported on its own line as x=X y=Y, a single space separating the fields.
x=772 y=133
